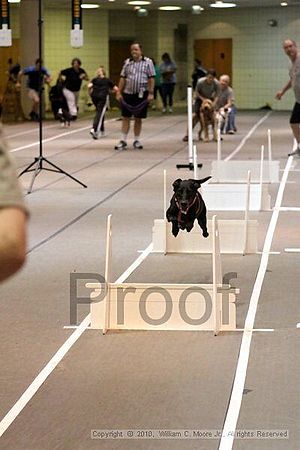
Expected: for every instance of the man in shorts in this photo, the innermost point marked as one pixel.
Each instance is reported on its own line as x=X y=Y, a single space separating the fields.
x=34 y=73
x=136 y=87
x=290 y=48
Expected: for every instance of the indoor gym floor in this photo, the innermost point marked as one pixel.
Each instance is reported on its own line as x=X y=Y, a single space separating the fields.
x=137 y=379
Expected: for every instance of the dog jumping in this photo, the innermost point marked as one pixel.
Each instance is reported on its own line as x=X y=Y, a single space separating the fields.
x=186 y=205
x=207 y=117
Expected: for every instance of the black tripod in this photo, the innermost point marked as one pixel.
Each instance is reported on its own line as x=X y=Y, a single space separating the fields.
x=37 y=165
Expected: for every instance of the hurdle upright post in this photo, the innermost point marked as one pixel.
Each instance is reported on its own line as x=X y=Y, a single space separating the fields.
x=107 y=273
x=261 y=174
x=190 y=123
x=217 y=275
x=190 y=132
x=247 y=212
x=164 y=212
x=195 y=162
x=270 y=145
x=219 y=150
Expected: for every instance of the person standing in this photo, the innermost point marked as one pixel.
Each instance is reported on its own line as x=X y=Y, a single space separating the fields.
x=13 y=216
x=225 y=104
x=199 y=72
x=36 y=75
x=291 y=50
x=168 y=73
x=136 y=88
x=207 y=88
x=99 y=89
x=73 y=77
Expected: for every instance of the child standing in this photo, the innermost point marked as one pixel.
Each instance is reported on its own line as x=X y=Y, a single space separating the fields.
x=99 y=89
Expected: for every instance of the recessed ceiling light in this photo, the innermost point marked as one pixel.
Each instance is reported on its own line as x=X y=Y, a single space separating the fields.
x=197 y=8
x=89 y=6
x=284 y=4
x=220 y=4
x=139 y=3
x=169 y=8
x=14 y=1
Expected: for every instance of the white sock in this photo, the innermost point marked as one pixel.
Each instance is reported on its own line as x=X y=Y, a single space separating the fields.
x=136 y=138
x=124 y=137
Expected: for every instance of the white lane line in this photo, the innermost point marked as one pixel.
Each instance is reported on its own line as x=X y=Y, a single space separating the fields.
x=21 y=133
x=57 y=136
x=233 y=411
x=289 y=208
x=59 y=355
x=264 y=330
x=292 y=250
x=244 y=140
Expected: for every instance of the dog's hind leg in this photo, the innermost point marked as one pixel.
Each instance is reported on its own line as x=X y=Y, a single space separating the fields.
x=202 y=224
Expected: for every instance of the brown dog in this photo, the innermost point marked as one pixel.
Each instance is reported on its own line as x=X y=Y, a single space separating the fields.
x=207 y=117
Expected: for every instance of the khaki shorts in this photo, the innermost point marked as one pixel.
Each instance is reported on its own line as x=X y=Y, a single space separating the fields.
x=33 y=95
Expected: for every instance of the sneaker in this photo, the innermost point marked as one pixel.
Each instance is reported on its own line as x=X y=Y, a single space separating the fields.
x=122 y=145
x=164 y=110
x=295 y=152
x=185 y=138
x=102 y=134
x=94 y=134
x=137 y=145
x=170 y=110
x=230 y=132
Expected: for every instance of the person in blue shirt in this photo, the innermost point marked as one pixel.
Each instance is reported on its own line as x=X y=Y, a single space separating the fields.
x=36 y=76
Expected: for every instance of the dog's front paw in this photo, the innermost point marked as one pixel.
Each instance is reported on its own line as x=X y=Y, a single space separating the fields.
x=205 y=234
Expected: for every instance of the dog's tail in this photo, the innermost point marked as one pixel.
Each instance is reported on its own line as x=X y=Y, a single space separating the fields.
x=203 y=180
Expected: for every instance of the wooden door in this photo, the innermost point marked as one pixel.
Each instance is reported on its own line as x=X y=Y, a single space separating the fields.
x=215 y=54
x=6 y=53
x=119 y=50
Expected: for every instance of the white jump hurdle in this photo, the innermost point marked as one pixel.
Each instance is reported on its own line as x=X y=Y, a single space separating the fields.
x=231 y=196
x=237 y=236
x=160 y=306
x=235 y=171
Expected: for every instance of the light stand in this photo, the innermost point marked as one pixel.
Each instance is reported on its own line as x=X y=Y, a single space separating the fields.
x=37 y=165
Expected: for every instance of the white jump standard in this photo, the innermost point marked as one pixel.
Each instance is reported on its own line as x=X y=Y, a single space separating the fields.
x=165 y=306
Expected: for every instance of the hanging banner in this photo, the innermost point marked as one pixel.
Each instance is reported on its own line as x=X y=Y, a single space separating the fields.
x=76 y=32
x=5 y=33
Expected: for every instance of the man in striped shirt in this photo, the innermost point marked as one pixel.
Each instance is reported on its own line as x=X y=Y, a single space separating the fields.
x=136 y=88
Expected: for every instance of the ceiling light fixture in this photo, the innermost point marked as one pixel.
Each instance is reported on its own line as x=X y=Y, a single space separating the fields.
x=142 y=12
x=89 y=6
x=139 y=3
x=221 y=4
x=196 y=9
x=14 y=1
x=169 y=8
x=284 y=4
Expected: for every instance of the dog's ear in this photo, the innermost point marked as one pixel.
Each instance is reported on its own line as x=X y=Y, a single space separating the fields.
x=176 y=183
x=196 y=184
x=202 y=181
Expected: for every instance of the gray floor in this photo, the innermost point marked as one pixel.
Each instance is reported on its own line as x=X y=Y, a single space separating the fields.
x=142 y=380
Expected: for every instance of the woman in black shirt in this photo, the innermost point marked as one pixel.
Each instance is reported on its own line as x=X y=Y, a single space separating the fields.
x=99 y=89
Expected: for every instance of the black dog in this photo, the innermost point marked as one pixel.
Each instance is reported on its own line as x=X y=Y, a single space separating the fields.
x=186 y=205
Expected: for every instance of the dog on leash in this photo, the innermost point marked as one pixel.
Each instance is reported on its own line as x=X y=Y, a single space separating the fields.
x=207 y=117
x=186 y=205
